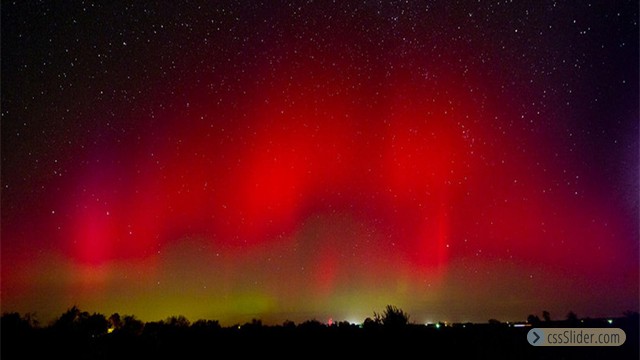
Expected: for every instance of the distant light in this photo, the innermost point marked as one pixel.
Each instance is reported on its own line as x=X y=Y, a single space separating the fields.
x=610 y=321
x=438 y=326
x=353 y=320
x=518 y=325
x=110 y=330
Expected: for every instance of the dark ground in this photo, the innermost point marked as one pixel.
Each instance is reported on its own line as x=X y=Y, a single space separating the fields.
x=176 y=338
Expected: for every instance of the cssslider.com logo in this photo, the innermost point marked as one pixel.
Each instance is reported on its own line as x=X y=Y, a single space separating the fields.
x=576 y=336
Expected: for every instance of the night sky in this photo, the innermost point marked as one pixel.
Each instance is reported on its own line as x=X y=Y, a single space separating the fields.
x=295 y=160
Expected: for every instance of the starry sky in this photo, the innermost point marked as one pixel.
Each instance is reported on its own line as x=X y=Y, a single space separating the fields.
x=463 y=160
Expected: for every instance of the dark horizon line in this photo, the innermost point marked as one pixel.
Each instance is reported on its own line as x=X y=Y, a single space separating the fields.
x=571 y=317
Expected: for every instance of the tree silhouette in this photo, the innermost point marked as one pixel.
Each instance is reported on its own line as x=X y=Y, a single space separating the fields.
x=572 y=317
x=533 y=319
x=253 y=325
x=177 y=321
x=14 y=323
x=66 y=322
x=370 y=323
x=377 y=318
x=346 y=325
x=288 y=324
x=93 y=325
x=393 y=317
x=132 y=326
x=206 y=324
x=115 y=321
x=546 y=316
x=80 y=323
x=313 y=326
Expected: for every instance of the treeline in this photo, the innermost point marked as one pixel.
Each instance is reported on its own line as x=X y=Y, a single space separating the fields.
x=75 y=322
x=79 y=334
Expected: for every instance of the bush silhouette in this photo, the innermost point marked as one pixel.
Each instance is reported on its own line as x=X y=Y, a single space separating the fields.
x=208 y=325
x=15 y=324
x=177 y=321
x=288 y=324
x=94 y=325
x=68 y=320
x=116 y=322
x=369 y=323
x=131 y=326
x=81 y=323
x=392 y=317
x=572 y=318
